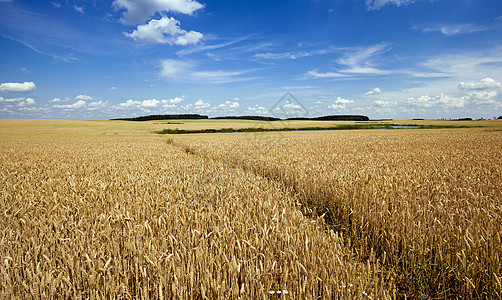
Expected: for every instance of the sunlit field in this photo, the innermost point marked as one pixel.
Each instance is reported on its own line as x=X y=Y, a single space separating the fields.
x=111 y=209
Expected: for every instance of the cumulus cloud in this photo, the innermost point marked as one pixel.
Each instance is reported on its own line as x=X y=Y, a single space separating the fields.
x=150 y=103
x=292 y=106
x=201 y=104
x=172 y=102
x=83 y=97
x=96 y=105
x=447 y=101
x=138 y=11
x=129 y=104
x=373 y=92
x=257 y=109
x=229 y=105
x=486 y=83
x=21 y=101
x=77 y=105
x=146 y=105
x=15 y=87
x=165 y=31
x=58 y=100
x=378 y=4
x=384 y=103
x=340 y=100
x=340 y=104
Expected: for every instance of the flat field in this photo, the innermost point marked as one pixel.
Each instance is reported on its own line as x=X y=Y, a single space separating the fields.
x=109 y=209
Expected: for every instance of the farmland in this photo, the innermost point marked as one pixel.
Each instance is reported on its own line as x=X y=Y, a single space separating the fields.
x=112 y=209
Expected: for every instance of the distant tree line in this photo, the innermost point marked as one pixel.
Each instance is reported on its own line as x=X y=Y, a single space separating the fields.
x=336 y=118
x=165 y=117
x=254 y=118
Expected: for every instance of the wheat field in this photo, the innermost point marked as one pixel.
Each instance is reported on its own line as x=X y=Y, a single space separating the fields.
x=111 y=210
x=133 y=216
x=426 y=203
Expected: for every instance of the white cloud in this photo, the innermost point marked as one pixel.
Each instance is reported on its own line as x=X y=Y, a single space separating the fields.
x=76 y=105
x=165 y=31
x=150 y=103
x=384 y=103
x=113 y=88
x=146 y=105
x=15 y=87
x=257 y=109
x=201 y=104
x=486 y=83
x=21 y=101
x=467 y=65
x=338 y=107
x=373 y=92
x=172 y=68
x=294 y=55
x=220 y=76
x=357 y=61
x=11 y=100
x=129 y=104
x=229 y=105
x=57 y=100
x=317 y=74
x=340 y=104
x=182 y=70
x=97 y=105
x=343 y=101
x=189 y=38
x=80 y=9
x=378 y=4
x=447 y=101
x=454 y=29
x=172 y=102
x=138 y=11
x=83 y=97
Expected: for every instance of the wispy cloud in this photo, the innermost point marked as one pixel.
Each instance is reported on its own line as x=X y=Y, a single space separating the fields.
x=80 y=9
x=202 y=48
x=187 y=71
x=356 y=61
x=316 y=74
x=295 y=54
x=452 y=29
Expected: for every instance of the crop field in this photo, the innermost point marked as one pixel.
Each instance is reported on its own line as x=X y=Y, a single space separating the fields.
x=102 y=209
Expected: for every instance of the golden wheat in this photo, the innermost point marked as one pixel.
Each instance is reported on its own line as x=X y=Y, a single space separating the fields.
x=139 y=217
x=427 y=204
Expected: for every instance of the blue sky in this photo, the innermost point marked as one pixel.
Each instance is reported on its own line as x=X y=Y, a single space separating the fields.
x=400 y=59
